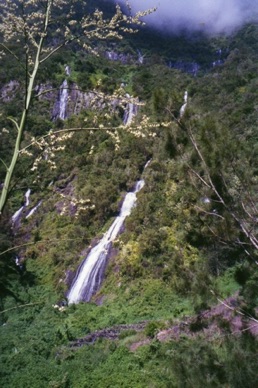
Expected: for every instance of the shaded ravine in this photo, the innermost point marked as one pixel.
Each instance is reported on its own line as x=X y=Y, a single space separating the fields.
x=90 y=274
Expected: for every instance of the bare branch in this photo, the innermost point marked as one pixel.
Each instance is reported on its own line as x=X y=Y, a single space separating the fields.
x=214 y=214
x=3 y=162
x=21 y=306
x=14 y=122
x=13 y=55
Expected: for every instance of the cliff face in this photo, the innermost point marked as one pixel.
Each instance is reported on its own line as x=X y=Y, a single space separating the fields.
x=64 y=101
x=70 y=99
x=67 y=100
x=8 y=91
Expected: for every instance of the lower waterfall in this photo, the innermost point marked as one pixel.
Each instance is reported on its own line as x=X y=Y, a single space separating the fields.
x=90 y=274
x=17 y=215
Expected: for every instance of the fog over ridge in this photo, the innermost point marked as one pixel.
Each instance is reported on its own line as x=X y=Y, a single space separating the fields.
x=211 y=16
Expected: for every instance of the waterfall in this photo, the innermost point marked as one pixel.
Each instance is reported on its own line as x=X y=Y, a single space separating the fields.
x=67 y=70
x=27 y=197
x=17 y=215
x=183 y=107
x=63 y=100
x=130 y=112
x=90 y=273
x=33 y=210
x=140 y=57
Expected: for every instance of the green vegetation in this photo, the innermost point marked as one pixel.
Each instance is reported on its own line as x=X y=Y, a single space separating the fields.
x=183 y=249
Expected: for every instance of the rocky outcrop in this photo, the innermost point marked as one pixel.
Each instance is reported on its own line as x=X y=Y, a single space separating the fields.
x=8 y=91
x=119 y=57
x=223 y=319
x=186 y=67
x=66 y=100
x=70 y=100
x=109 y=333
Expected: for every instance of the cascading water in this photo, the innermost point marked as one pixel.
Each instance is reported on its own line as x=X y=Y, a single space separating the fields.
x=33 y=210
x=90 y=273
x=140 y=57
x=183 y=107
x=63 y=100
x=17 y=215
x=67 y=70
x=130 y=111
x=27 y=197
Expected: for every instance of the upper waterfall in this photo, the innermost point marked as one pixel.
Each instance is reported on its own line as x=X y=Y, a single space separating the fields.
x=140 y=57
x=183 y=107
x=63 y=99
x=130 y=111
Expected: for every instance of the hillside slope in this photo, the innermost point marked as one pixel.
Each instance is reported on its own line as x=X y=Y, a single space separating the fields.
x=184 y=245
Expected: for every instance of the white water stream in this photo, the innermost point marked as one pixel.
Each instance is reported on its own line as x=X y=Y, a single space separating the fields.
x=130 y=111
x=17 y=214
x=183 y=107
x=27 y=197
x=63 y=100
x=90 y=273
x=140 y=57
x=33 y=210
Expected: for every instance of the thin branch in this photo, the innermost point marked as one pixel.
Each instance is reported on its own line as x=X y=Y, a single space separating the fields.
x=247 y=212
x=65 y=43
x=234 y=309
x=38 y=242
x=247 y=233
x=52 y=53
x=209 y=213
x=3 y=162
x=198 y=176
x=22 y=305
x=14 y=55
x=47 y=91
x=68 y=130
x=14 y=122
x=16 y=247
x=205 y=165
x=216 y=235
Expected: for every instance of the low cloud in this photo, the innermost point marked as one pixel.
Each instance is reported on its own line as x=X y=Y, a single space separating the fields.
x=211 y=16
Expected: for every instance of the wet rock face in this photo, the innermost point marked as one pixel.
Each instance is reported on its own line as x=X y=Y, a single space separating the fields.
x=46 y=92
x=111 y=333
x=65 y=101
x=79 y=100
x=70 y=99
x=8 y=91
x=120 y=57
x=186 y=67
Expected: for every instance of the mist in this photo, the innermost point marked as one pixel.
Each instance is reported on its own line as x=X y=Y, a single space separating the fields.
x=210 y=16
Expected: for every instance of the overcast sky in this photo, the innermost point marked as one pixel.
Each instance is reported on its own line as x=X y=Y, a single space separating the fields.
x=213 y=16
